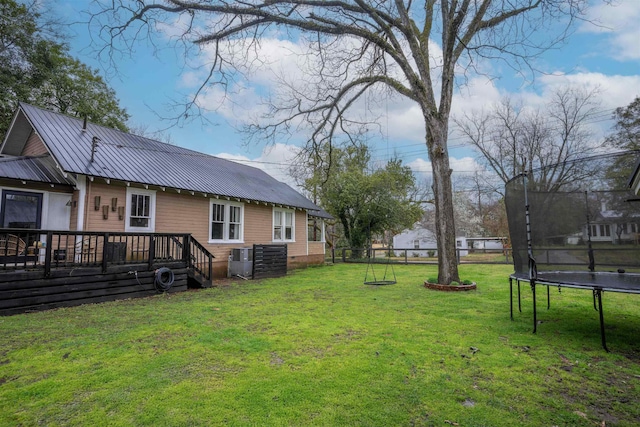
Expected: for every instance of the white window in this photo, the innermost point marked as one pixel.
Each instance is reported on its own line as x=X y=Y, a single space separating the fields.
x=416 y=244
x=141 y=210
x=283 y=225
x=605 y=230
x=226 y=223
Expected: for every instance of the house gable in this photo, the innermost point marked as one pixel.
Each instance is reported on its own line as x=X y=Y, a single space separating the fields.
x=34 y=146
x=17 y=136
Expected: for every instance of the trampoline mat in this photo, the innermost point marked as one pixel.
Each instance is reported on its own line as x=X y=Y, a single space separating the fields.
x=618 y=282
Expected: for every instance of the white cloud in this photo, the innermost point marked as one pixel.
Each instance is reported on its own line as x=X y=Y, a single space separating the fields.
x=619 y=22
x=274 y=160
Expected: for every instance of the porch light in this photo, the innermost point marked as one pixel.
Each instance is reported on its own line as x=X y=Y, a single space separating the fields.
x=114 y=203
x=105 y=212
x=96 y=201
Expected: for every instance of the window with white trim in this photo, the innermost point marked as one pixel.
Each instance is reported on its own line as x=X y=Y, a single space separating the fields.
x=283 y=225
x=226 y=222
x=141 y=209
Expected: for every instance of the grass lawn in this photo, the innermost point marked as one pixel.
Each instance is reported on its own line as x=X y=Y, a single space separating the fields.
x=320 y=348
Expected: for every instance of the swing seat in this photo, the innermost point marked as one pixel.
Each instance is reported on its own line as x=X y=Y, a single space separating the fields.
x=376 y=281
x=381 y=282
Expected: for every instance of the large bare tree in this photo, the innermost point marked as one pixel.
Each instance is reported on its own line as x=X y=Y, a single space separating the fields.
x=513 y=138
x=415 y=49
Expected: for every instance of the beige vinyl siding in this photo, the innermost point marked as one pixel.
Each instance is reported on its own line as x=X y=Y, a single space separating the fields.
x=93 y=218
x=316 y=248
x=73 y=221
x=34 y=146
x=189 y=214
x=299 y=247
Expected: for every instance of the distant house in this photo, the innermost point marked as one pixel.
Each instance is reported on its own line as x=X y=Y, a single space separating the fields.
x=612 y=226
x=60 y=173
x=421 y=242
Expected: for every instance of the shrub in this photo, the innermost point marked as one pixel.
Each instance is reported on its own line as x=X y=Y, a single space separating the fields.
x=454 y=283
x=467 y=282
x=432 y=279
x=431 y=253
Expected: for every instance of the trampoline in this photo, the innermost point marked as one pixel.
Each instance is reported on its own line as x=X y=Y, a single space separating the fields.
x=576 y=225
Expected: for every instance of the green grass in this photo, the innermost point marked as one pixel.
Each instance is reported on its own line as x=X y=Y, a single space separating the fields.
x=320 y=348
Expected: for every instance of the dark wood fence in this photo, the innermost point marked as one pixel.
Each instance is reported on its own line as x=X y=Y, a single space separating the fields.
x=42 y=269
x=269 y=261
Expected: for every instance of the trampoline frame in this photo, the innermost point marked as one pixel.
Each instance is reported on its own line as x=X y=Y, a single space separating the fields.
x=535 y=278
x=597 y=296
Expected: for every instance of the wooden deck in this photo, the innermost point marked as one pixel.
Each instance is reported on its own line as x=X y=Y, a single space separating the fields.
x=66 y=268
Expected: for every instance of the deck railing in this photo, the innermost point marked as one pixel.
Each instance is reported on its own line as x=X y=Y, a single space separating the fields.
x=22 y=249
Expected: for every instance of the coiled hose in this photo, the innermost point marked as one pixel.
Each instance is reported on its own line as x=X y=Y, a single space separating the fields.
x=164 y=279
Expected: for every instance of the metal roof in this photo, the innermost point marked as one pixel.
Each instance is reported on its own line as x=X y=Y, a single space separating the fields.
x=130 y=158
x=35 y=169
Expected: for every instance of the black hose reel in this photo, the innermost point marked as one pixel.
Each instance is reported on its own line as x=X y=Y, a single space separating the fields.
x=164 y=279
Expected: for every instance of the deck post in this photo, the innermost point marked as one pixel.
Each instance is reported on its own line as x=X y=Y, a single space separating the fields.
x=105 y=240
x=187 y=249
x=47 y=256
x=152 y=250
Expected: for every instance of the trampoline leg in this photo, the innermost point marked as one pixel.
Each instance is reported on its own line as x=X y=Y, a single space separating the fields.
x=548 y=298
x=519 y=305
x=535 y=316
x=594 y=300
x=511 y=296
x=598 y=294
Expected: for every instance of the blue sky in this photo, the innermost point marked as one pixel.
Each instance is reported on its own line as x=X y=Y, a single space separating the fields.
x=147 y=82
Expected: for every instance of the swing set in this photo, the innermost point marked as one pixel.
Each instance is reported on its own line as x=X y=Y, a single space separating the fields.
x=373 y=280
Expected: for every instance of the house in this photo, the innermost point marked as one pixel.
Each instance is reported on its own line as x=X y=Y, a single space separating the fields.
x=62 y=173
x=421 y=242
x=486 y=243
x=612 y=227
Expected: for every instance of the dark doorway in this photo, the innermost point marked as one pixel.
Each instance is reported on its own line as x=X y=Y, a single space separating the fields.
x=21 y=209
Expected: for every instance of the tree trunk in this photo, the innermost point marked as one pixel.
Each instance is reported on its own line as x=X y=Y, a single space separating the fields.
x=437 y=130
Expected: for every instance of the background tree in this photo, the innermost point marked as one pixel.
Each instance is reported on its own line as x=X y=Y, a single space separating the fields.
x=355 y=47
x=512 y=138
x=36 y=68
x=366 y=203
x=626 y=131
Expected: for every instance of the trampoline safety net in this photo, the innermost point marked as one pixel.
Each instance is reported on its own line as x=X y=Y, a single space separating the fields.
x=581 y=216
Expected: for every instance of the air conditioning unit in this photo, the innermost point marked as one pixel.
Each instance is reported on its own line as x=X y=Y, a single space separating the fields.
x=242 y=254
x=240 y=263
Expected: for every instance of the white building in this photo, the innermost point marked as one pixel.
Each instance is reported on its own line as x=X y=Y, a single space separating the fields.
x=421 y=242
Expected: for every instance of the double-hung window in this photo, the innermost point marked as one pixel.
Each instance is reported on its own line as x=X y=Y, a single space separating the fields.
x=226 y=222
x=141 y=206
x=283 y=225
